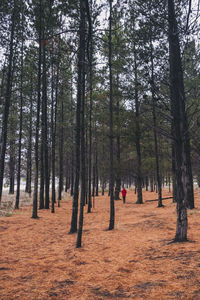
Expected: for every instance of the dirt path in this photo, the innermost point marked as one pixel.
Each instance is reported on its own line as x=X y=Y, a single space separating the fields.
x=38 y=259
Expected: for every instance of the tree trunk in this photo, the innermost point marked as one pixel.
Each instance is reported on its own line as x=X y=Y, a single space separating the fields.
x=158 y=177
x=179 y=123
x=29 y=152
x=81 y=86
x=118 y=171
x=61 y=136
x=111 y=184
x=137 y=135
x=35 y=195
x=20 y=124
x=7 y=100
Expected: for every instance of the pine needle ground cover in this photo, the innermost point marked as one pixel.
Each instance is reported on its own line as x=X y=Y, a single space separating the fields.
x=38 y=258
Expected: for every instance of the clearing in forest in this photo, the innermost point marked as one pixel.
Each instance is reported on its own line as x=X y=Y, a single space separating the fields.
x=38 y=258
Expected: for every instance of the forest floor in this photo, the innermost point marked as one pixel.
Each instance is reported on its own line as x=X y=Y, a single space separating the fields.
x=136 y=260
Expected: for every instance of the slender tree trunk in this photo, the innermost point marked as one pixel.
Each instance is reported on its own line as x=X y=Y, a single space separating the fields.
x=77 y=138
x=35 y=194
x=12 y=166
x=155 y=126
x=81 y=66
x=90 y=126
x=45 y=128
x=29 y=153
x=111 y=184
x=118 y=171
x=61 y=136
x=137 y=135
x=20 y=125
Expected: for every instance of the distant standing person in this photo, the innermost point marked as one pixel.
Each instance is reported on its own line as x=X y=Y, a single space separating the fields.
x=124 y=194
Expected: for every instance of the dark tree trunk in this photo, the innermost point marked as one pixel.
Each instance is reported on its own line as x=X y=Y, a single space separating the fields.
x=53 y=132
x=78 y=127
x=174 y=182
x=97 y=173
x=7 y=100
x=29 y=152
x=81 y=83
x=45 y=134
x=118 y=171
x=61 y=137
x=35 y=194
x=12 y=166
x=179 y=123
x=158 y=177
x=20 y=125
x=111 y=184
x=93 y=181
x=137 y=136
x=90 y=125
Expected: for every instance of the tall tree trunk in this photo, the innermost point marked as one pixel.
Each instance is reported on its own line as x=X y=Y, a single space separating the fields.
x=29 y=152
x=155 y=126
x=137 y=134
x=20 y=123
x=118 y=171
x=61 y=136
x=35 y=194
x=45 y=128
x=54 y=112
x=78 y=127
x=7 y=100
x=179 y=123
x=111 y=184
x=90 y=124
x=81 y=83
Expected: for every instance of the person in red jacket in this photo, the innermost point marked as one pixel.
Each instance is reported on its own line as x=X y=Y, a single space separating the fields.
x=124 y=194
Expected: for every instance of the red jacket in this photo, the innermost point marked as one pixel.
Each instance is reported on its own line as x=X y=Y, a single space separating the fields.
x=124 y=192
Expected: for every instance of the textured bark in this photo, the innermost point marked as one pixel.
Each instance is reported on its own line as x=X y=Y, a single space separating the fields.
x=179 y=123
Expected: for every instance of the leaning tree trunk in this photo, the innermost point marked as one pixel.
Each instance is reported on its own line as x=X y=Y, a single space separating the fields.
x=179 y=123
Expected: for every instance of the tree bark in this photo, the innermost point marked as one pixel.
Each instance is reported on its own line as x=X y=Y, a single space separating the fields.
x=179 y=123
x=137 y=135
x=111 y=184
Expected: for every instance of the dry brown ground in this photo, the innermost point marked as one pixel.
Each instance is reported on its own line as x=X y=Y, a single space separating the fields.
x=38 y=258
